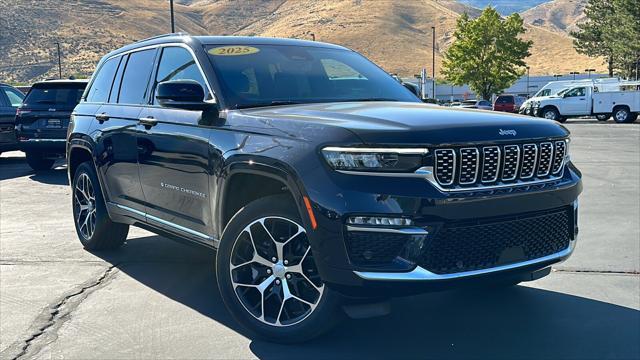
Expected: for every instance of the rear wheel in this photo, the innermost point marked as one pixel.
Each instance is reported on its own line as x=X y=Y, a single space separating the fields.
x=38 y=162
x=268 y=277
x=603 y=117
x=95 y=229
x=622 y=115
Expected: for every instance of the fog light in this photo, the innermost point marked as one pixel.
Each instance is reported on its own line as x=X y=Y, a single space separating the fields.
x=379 y=221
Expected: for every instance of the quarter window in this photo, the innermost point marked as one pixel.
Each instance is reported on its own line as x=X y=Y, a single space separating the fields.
x=15 y=97
x=101 y=86
x=177 y=63
x=133 y=89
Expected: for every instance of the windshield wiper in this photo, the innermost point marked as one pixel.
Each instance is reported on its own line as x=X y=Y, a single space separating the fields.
x=365 y=99
x=45 y=102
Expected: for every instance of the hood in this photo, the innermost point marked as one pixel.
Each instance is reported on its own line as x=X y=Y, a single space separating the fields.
x=415 y=123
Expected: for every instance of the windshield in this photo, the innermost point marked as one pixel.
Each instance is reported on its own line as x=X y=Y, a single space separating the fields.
x=264 y=75
x=67 y=95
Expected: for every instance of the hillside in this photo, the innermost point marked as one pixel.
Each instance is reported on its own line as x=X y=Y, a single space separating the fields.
x=395 y=34
x=504 y=7
x=557 y=15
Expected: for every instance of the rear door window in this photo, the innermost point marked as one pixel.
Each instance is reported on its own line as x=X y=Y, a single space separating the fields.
x=504 y=100
x=66 y=95
x=101 y=85
x=135 y=81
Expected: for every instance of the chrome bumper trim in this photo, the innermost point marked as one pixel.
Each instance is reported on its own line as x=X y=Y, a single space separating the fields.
x=403 y=231
x=421 y=274
x=42 y=140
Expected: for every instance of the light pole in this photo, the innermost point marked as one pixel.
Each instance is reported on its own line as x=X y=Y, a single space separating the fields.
x=574 y=73
x=557 y=76
x=173 y=23
x=528 y=68
x=433 y=61
x=59 y=61
x=589 y=71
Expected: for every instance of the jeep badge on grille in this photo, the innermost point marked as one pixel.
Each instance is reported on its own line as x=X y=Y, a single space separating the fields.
x=507 y=132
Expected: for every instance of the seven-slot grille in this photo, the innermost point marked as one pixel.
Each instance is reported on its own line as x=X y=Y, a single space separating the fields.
x=487 y=165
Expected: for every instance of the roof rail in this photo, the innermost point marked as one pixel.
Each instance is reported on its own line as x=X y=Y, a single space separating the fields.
x=163 y=35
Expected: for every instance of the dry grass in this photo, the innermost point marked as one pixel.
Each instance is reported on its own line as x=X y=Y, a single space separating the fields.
x=396 y=34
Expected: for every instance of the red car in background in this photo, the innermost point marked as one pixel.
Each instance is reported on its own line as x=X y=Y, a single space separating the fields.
x=508 y=103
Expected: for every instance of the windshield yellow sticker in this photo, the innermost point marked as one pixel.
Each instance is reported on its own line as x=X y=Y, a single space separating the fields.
x=233 y=50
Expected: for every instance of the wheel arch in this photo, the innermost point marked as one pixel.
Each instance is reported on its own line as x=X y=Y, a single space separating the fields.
x=245 y=181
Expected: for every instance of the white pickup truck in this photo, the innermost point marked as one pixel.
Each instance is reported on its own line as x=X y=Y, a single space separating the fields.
x=579 y=101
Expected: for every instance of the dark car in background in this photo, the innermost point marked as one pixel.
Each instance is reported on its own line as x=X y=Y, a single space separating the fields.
x=43 y=118
x=10 y=99
x=508 y=103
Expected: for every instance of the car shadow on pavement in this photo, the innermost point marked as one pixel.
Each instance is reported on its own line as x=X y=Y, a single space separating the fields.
x=517 y=322
x=55 y=176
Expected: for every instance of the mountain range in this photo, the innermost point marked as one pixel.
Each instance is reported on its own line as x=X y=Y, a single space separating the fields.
x=396 y=34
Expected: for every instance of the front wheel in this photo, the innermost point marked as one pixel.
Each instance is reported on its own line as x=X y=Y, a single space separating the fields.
x=268 y=277
x=551 y=113
x=38 y=162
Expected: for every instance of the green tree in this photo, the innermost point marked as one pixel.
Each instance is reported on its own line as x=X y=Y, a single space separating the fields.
x=487 y=53
x=611 y=30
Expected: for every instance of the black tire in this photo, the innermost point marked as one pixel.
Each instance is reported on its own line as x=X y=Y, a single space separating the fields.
x=95 y=229
x=633 y=118
x=622 y=115
x=38 y=162
x=603 y=117
x=551 y=113
x=281 y=211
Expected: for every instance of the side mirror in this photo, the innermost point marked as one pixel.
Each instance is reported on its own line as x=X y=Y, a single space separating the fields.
x=182 y=94
x=412 y=88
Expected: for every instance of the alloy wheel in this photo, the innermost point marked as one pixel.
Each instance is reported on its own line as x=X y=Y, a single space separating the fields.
x=84 y=204
x=273 y=272
x=550 y=115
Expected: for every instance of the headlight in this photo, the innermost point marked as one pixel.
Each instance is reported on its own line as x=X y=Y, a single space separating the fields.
x=374 y=159
x=567 y=155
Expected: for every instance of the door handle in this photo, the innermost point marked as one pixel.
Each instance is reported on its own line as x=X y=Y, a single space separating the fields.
x=148 y=122
x=102 y=117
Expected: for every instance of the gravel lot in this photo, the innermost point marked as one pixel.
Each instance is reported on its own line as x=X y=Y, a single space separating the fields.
x=155 y=298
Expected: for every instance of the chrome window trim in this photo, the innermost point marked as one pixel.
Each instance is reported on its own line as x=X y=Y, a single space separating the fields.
x=475 y=177
x=515 y=172
x=538 y=173
x=403 y=231
x=534 y=168
x=453 y=166
x=406 y=151
x=157 y=46
x=165 y=222
x=497 y=165
x=421 y=274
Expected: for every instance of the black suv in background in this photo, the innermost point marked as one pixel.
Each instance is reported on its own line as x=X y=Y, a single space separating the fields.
x=322 y=182
x=43 y=118
x=10 y=99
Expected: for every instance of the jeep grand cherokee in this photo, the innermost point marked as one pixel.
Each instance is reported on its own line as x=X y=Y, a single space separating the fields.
x=316 y=176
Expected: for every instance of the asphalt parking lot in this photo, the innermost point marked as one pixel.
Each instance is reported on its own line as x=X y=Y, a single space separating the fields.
x=155 y=298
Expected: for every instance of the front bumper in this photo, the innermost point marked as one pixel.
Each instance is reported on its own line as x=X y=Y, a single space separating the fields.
x=431 y=209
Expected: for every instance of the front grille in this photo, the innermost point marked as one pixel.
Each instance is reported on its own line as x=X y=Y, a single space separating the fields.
x=469 y=167
x=481 y=245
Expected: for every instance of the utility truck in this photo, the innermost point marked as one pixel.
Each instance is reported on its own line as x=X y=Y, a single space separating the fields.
x=582 y=100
